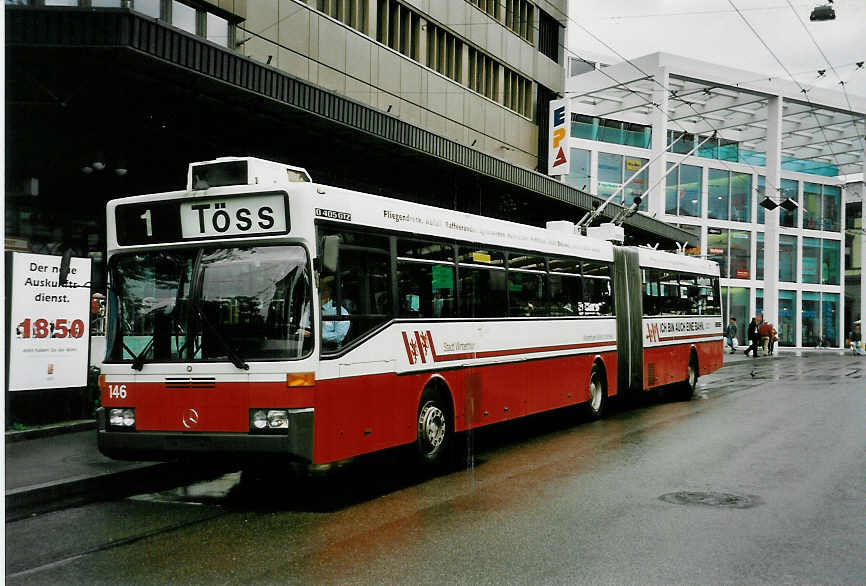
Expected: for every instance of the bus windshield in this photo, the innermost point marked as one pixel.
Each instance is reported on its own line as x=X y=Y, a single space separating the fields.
x=236 y=304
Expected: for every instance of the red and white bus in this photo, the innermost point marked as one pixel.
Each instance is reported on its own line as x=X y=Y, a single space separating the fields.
x=256 y=313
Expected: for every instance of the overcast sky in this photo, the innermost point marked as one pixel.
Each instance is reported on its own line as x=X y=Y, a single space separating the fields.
x=711 y=30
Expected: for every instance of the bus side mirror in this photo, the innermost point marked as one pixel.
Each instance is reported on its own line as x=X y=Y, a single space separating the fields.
x=330 y=252
x=65 y=261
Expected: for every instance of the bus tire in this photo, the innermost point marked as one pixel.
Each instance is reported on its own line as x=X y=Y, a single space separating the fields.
x=688 y=386
x=435 y=430
x=597 y=405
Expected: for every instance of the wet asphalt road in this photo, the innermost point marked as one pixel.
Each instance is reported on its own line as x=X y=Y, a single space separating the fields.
x=759 y=479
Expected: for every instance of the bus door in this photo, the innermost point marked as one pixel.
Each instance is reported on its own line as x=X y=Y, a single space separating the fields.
x=629 y=331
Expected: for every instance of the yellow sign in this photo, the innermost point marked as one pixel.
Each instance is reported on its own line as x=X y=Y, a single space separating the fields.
x=633 y=164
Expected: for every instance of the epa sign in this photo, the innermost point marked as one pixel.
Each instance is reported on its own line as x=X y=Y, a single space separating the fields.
x=558 y=161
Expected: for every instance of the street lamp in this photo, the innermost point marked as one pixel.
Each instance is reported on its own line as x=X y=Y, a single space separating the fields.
x=823 y=12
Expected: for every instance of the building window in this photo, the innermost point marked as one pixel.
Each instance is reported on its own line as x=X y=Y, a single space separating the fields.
x=829 y=319
x=735 y=303
x=444 y=52
x=491 y=7
x=822 y=207
x=612 y=131
x=614 y=169
x=350 y=12
x=214 y=27
x=696 y=232
x=147 y=7
x=820 y=318
x=548 y=36
x=830 y=262
x=809 y=319
x=483 y=74
x=717 y=248
x=519 y=15
x=683 y=191
x=832 y=220
x=518 y=93
x=217 y=30
x=399 y=28
x=183 y=17
x=811 y=259
x=759 y=256
x=789 y=189
x=729 y=196
x=788 y=258
x=786 y=329
x=579 y=172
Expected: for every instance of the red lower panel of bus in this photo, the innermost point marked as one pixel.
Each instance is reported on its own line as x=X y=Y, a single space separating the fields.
x=669 y=364
x=363 y=414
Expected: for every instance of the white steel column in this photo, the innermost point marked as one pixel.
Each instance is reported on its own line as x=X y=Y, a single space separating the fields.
x=862 y=236
x=771 y=218
x=659 y=122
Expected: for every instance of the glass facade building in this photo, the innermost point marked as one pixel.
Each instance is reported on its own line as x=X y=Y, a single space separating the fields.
x=716 y=191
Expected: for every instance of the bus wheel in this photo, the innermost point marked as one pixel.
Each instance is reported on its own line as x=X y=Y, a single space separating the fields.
x=597 y=394
x=691 y=383
x=434 y=432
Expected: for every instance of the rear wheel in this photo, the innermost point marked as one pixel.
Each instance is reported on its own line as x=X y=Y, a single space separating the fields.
x=597 y=393
x=689 y=385
x=435 y=434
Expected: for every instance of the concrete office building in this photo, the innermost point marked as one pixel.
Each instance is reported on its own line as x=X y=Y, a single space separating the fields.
x=765 y=138
x=439 y=101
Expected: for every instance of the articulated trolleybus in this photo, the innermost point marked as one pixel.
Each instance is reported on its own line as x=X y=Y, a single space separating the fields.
x=257 y=314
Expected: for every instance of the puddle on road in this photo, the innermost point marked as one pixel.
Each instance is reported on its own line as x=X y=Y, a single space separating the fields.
x=197 y=493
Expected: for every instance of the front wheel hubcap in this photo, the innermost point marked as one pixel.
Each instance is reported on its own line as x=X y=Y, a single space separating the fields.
x=431 y=427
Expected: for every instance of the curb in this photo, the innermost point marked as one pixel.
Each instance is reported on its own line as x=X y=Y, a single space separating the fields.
x=28 y=500
x=50 y=430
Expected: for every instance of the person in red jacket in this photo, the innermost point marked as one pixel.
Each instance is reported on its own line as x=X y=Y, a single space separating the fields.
x=765 y=332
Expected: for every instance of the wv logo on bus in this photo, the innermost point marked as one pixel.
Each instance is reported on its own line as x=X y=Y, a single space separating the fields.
x=418 y=345
x=652 y=332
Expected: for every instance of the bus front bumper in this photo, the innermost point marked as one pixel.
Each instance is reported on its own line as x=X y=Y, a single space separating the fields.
x=297 y=444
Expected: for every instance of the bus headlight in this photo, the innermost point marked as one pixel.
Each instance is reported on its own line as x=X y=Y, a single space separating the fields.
x=269 y=420
x=260 y=420
x=121 y=418
x=278 y=419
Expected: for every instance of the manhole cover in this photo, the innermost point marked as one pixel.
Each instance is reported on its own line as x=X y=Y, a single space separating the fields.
x=711 y=499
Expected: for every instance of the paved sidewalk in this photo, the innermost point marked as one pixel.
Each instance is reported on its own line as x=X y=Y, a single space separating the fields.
x=58 y=467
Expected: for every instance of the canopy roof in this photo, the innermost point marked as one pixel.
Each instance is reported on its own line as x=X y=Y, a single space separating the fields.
x=818 y=125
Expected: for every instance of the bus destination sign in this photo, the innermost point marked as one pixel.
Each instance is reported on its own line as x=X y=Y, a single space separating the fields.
x=236 y=216
x=198 y=219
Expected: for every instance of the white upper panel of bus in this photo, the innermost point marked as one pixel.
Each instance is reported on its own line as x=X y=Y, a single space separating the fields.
x=354 y=208
x=423 y=220
x=665 y=260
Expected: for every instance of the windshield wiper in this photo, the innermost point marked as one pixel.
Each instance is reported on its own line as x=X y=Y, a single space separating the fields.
x=138 y=359
x=232 y=353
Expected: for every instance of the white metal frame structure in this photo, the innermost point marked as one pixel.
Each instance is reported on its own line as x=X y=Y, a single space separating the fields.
x=777 y=117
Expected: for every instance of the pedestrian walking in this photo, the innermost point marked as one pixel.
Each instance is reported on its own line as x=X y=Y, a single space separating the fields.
x=855 y=339
x=765 y=330
x=731 y=334
x=752 y=334
x=774 y=337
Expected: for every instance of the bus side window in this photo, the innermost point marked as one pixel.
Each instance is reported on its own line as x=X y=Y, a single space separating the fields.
x=360 y=290
x=598 y=288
